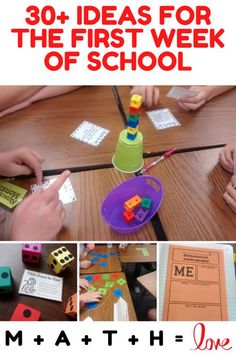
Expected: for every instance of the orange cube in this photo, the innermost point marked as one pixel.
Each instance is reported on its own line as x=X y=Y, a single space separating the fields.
x=71 y=308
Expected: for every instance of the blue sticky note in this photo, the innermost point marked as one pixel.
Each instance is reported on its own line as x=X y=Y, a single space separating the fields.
x=91 y=305
x=103 y=264
x=92 y=253
x=118 y=292
x=112 y=254
x=93 y=260
x=89 y=277
x=105 y=256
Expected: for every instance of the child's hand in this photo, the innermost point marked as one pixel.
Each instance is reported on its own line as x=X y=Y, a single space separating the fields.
x=95 y=296
x=84 y=264
x=193 y=103
x=22 y=161
x=90 y=246
x=83 y=283
x=226 y=157
x=150 y=95
x=41 y=215
x=230 y=194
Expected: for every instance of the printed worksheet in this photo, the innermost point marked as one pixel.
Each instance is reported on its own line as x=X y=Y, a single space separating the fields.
x=195 y=285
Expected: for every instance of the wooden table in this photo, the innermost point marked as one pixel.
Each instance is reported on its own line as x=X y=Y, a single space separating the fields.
x=84 y=221
x=104 y=310
x=133 y=255
x=47 y=125
x=193 y=208
x=104 y=261
x=10 y=255
x=149 y=281
x=211 y=125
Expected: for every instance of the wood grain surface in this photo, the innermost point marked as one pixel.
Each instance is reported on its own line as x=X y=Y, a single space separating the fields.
x=193 y=208
x=132 y=255
x=212 y=124
x=103 y=255
x=149 y=282
x=104 y=310
x=46 y=126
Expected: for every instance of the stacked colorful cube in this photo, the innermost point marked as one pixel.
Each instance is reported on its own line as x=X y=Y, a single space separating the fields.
x=142 y=205
x=134 y=117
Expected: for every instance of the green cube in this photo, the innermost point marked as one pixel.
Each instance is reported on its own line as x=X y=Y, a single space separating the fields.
x=6 y=283
x=146 y=203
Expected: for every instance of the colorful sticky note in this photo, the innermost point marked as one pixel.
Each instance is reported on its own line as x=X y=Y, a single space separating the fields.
x=92 y=253
x=145 y=252
x=118 y=292
x=115 y=275
x=103 y=264
x=121 y=281
x=11 y=195
x=91 y=305
x=93 y=260
x=91 y=288
x=106 y=276
x=112 y=254
x=105 y=256
x=97 y=277
x=101 y=255
x=89 y=277
x=138 y=249
x=102 y=291
x=109 y=284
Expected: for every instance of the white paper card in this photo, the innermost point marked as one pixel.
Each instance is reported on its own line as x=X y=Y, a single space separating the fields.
x=88 y=319
x=90 y=133
x=121 y=312
x=180 y=93
x=41 y=285
x=66 y=192
x=163 y=118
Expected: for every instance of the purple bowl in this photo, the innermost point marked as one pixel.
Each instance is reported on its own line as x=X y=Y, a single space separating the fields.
x=113 y=205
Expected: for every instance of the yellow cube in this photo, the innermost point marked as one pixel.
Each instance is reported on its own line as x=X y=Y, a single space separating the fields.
x=132 y=203
x=60 y=259
x=136 y=101
x=132 y=131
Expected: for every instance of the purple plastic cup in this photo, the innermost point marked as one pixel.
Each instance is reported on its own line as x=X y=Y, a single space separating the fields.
x=113 y=205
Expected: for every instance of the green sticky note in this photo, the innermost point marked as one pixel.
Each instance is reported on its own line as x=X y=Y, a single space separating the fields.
x=138 y=249
x=106 y=276
x=91 y=288
x=145 y=252
x=109 y=284
x=102 y=291
x=11 y=195
x=121 y=281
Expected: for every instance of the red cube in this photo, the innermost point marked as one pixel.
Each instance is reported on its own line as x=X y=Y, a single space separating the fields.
x=128 y=216
x=25 y=313
x=133 y=110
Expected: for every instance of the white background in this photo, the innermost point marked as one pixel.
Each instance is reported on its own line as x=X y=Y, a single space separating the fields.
x=75 y=332
x=26 y=66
